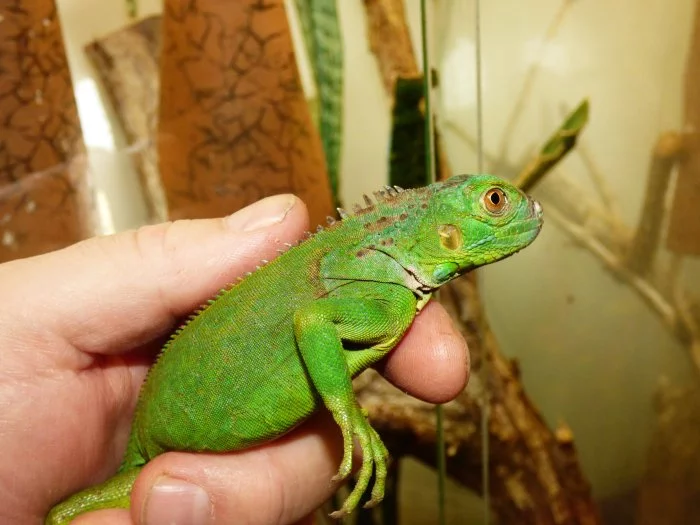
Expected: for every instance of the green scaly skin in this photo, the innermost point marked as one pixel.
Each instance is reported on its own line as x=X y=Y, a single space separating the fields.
x=267 y=352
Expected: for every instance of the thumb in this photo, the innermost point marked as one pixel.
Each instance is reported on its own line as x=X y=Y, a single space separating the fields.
x=110 y=294
x=275 y=483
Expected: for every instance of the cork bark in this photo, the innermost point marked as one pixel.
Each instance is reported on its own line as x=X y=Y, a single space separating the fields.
x=44 y=200
x=234 y=125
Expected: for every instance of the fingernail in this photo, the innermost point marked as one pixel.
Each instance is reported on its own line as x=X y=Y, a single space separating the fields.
x=176 y=502
x=265 y=212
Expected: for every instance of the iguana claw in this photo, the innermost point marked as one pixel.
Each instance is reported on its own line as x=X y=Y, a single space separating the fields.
x=375 y=457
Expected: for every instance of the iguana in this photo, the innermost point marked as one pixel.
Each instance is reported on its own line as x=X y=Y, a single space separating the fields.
x=268 y=351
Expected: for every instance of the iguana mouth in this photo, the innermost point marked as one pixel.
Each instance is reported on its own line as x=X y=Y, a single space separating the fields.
x=418 y=286
x=530 y=226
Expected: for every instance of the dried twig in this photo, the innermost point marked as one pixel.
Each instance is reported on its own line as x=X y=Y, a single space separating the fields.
x=645 y=244
x=600 y=184
x=530 y=76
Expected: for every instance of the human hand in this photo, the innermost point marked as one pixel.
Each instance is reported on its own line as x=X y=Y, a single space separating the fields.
x=79 y=328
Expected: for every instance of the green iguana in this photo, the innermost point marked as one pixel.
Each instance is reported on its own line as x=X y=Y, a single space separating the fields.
x=267 y=352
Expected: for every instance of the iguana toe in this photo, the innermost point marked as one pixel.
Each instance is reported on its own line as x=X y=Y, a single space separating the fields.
x=374 y=459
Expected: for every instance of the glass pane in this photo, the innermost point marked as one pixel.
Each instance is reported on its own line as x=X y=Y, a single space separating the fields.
x=601 y=312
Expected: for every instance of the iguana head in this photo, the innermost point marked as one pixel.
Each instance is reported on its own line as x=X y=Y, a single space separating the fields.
x=469 y=221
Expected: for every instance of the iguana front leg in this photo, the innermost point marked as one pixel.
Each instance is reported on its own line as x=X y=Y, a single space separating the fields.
x=360 y=313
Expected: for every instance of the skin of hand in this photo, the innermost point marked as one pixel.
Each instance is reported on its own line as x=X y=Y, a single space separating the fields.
x=79 y=328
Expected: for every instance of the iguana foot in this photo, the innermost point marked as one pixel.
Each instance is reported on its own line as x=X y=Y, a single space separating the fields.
x=374 y=458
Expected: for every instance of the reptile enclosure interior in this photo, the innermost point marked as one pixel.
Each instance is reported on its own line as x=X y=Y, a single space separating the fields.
x=584 y=401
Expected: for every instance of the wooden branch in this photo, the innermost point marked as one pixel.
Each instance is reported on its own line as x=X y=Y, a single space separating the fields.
x=684 y=222
x=645 y=243
x=670 y=488
x=390 y=40
x=534 y=472
x=555 y=149
x=535 y=477
x=664 y=306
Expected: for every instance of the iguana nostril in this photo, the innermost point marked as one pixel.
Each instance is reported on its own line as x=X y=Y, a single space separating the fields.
x=537 y=209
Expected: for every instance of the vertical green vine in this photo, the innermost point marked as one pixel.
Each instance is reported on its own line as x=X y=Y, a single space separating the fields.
x=132 y=8
x=430 y=172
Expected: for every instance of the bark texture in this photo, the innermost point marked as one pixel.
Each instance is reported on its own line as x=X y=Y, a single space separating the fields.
x=44 y=197
x=234 y=125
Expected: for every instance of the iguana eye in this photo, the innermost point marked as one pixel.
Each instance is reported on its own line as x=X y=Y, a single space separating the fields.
x=495 y=201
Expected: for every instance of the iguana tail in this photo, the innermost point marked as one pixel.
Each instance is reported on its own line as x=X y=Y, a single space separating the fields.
x=112 y=494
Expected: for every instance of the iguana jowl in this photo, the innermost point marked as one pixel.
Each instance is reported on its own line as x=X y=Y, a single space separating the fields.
x=267 y=352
